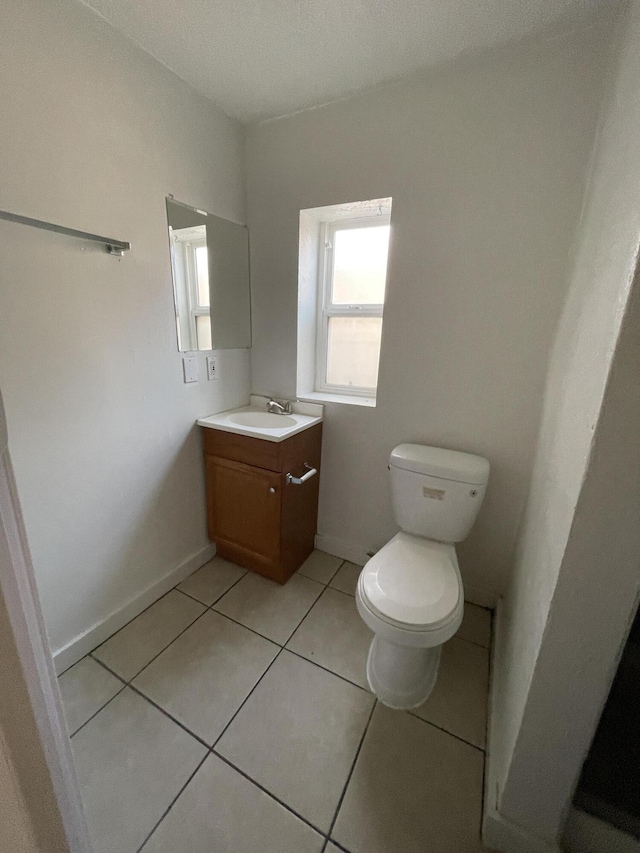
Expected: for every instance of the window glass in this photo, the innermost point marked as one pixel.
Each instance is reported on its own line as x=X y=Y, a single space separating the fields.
x=202 y=276
x=353 y=351
x=203 y=331
x=360 y=265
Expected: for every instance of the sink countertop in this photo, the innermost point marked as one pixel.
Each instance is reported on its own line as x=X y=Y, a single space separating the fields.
x=305 y=415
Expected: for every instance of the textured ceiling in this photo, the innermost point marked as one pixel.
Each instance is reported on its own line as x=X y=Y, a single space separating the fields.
x=263 y=58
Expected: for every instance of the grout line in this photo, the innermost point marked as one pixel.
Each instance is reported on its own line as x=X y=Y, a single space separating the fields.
x=336 y=845
x=155 y=704
x=336 y=571
x=129 y=622
x=269 y=793
x=324 y=583
x=341 y=591
x=473 y=642
x=167 y=714
x=246 y=627
x=149 y=662
x=348 y=779
x=173 y=802
x=193 y=598
x=104 y=666
x=264 y=637
x=101 y=708
x=446 y=732
x=235 y=583
x=244 y=701
x=330 y=671
x=313 y=604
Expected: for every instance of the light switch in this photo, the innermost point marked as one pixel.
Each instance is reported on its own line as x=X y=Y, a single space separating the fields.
x=212 y=367
x=190 y=368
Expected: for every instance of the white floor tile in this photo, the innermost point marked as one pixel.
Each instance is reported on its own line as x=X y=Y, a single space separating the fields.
x=207 y=673
x=131 y=762
x=334 y=636
x=128 y=651
x=458 y=702
x=221 y=811
x=85 y=688
x=476 y=625
x=346 y=578
x=271 y=609
x=297 y=735
x=320 y=566
x=212 y=580
x=413 y=789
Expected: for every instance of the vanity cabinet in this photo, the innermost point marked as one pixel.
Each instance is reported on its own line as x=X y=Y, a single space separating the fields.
x=256 y=516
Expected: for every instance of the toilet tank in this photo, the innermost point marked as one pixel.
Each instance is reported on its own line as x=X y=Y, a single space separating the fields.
x=436 y=493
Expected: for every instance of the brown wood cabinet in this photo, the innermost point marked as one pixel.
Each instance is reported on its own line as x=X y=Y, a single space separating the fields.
x=255 y=516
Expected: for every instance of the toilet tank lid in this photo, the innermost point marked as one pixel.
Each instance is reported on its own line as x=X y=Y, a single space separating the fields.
x=438 y=462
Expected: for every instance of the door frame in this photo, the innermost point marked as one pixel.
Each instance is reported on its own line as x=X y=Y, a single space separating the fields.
x=18 y=587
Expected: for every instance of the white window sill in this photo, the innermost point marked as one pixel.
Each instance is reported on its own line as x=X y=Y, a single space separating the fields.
x=348 y=399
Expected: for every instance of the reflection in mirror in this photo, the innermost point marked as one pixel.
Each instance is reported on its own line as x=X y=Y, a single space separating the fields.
x=210 y=267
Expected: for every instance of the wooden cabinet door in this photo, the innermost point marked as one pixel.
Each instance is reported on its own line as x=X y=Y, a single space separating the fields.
x=244 y=513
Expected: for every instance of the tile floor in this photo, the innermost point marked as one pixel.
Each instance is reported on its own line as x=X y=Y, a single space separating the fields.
x=234 y=715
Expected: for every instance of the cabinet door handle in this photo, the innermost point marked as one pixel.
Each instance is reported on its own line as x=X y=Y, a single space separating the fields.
x=298 y=481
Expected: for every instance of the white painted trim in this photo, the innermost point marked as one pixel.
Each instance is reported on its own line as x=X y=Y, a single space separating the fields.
x=341 y=548
x=498 y=833
x=81 y=645
x=481 y=597
x=326 y=397
x=17 y=580
x=358 y=554
x=585 y=833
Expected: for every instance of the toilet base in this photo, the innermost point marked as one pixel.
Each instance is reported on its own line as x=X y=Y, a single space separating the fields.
x=402 y=677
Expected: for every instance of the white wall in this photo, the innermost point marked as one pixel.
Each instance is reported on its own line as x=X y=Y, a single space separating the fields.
x=485 y=161
x=94 y=134
x=577 y=571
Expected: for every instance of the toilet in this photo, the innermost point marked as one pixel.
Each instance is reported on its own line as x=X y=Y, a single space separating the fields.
x=410 y=593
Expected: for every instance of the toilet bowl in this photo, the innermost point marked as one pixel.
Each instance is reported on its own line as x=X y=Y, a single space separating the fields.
x=410 y=594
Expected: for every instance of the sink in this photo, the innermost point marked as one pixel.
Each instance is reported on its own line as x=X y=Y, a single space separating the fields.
x=262 y=420
x=253 y=420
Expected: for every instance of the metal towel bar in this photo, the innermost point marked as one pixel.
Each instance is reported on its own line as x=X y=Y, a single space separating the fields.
x=113 y=247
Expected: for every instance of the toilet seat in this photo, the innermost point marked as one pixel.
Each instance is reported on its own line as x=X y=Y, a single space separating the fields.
x=413 y=584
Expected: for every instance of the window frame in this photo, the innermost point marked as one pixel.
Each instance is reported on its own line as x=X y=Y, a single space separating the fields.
x=326 y=309
x=185 y=241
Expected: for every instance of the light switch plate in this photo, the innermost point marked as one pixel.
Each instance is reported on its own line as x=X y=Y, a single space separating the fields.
x=212 y=367
x=190 y=368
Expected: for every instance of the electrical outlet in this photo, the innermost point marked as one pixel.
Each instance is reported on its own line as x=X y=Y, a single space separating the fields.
x=212 y=367
x=190 y=368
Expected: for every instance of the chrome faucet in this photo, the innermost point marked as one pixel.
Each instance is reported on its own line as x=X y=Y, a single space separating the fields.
x=277 y=408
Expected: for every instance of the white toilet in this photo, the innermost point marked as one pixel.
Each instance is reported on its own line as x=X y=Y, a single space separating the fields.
x=410 y=593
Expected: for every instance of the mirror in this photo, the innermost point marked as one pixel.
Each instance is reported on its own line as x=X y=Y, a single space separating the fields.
x=210 y=268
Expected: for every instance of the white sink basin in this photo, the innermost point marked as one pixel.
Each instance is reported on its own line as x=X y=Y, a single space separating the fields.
x=255 y=421
x=262 y=420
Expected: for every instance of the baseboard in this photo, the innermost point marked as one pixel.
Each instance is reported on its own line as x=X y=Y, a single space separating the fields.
x=481 y=597
x=81 y=645
x=341 y=548
x=499 y=833
x=585 y=833
x=358 y=554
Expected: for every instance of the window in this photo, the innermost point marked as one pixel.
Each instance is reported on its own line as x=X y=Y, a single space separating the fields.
x=353 y=272
x=342 y=277
x=190 y=261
